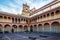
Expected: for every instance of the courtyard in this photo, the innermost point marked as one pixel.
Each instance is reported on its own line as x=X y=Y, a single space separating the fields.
x=31 y=36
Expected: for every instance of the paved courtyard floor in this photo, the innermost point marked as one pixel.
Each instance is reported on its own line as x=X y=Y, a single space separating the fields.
x=30 y=36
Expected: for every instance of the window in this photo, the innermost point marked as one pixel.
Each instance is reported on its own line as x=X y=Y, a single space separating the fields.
x=44 y=16
x=41 y=17
x=12 y=20
x=5 y=17
x=0 y=16
x=8 y=17
x=48 y=15
x=57 y=12
x=52 y=14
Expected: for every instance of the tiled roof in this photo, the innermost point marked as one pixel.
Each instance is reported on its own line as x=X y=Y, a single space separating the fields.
x=11 y=14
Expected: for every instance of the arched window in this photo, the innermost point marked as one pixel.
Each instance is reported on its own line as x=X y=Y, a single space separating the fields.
x=40 y=17
x=57 y=12
x=0 y=16
x=52 y=14
x=14 y=26
x=12 y=20
x=15 y=20
x=44 y=16
x=5 y=17
x=48 y=15
x=8 y=17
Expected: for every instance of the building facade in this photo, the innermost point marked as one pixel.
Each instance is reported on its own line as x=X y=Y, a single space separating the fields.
x=44 y=19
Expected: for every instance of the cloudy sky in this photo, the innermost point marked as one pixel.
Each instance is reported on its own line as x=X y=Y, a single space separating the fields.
x=15 y=6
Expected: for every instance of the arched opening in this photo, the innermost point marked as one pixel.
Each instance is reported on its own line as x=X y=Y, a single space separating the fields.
x=12 y=20
x=25 y=28
x=20 y=28
x=35 y=28
x=18 y=20
x=1 y=18
x=57 y=14
x=15 y=20
x=52 y=14
x=48 y=15
x=44 y=16
x=1 y=29
x=12 y=30
x=31 y=28
x=46 y=27
x=14 y=27
x=7 y=28
x=40 y=28
x=55 y=27
x=57 y=11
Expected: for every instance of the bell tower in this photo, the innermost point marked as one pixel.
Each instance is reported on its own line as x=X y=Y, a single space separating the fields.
x=26 y=10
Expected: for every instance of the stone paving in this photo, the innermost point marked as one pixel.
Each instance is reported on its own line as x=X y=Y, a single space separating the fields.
x=29 y=36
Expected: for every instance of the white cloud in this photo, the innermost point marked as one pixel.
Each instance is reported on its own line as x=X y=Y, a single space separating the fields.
x=6 y=9
x=16 y=6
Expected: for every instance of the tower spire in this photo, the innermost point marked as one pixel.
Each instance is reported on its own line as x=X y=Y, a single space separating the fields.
x=26 y=9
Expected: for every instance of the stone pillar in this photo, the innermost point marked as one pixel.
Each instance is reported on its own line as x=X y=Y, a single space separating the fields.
x=33 y=28
x=3 y=18
x=54 y=15
x=23 y=29
x=28 y=28
x=7 y=18
x=50 y=28
x=43 y=28
x=17 y=20
x=14 y=20
x=17 y=28
x=37 y=28
x=11 y=28
x=3 y=29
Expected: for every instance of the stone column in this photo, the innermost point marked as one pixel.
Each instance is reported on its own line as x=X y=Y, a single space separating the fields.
x=43 y=28
x=17 y=28
x=33 y=28
x=54 y=15
x=23 y=29
x=37 y=28
x=11 y=28
x=50 y=28
x=28 y=28
x=3 y=29
x=7 y=18
x=3 y=18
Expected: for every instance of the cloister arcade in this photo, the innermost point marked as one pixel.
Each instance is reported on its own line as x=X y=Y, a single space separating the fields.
x=45 y=22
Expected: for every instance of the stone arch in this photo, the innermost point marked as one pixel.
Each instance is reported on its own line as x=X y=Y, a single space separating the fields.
x=52 y=13
x=48 y=14
x=25 y=28
x=57 y=11
x=14 y=28
x=31 y=28
x=7 y=28
x=40 y=28
x=20 y=28
x=35 y=28
x=55 y=27
x=1 y=28
x=46 y=27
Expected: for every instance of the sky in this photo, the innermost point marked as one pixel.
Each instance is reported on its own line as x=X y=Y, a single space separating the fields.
x=16 y=6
